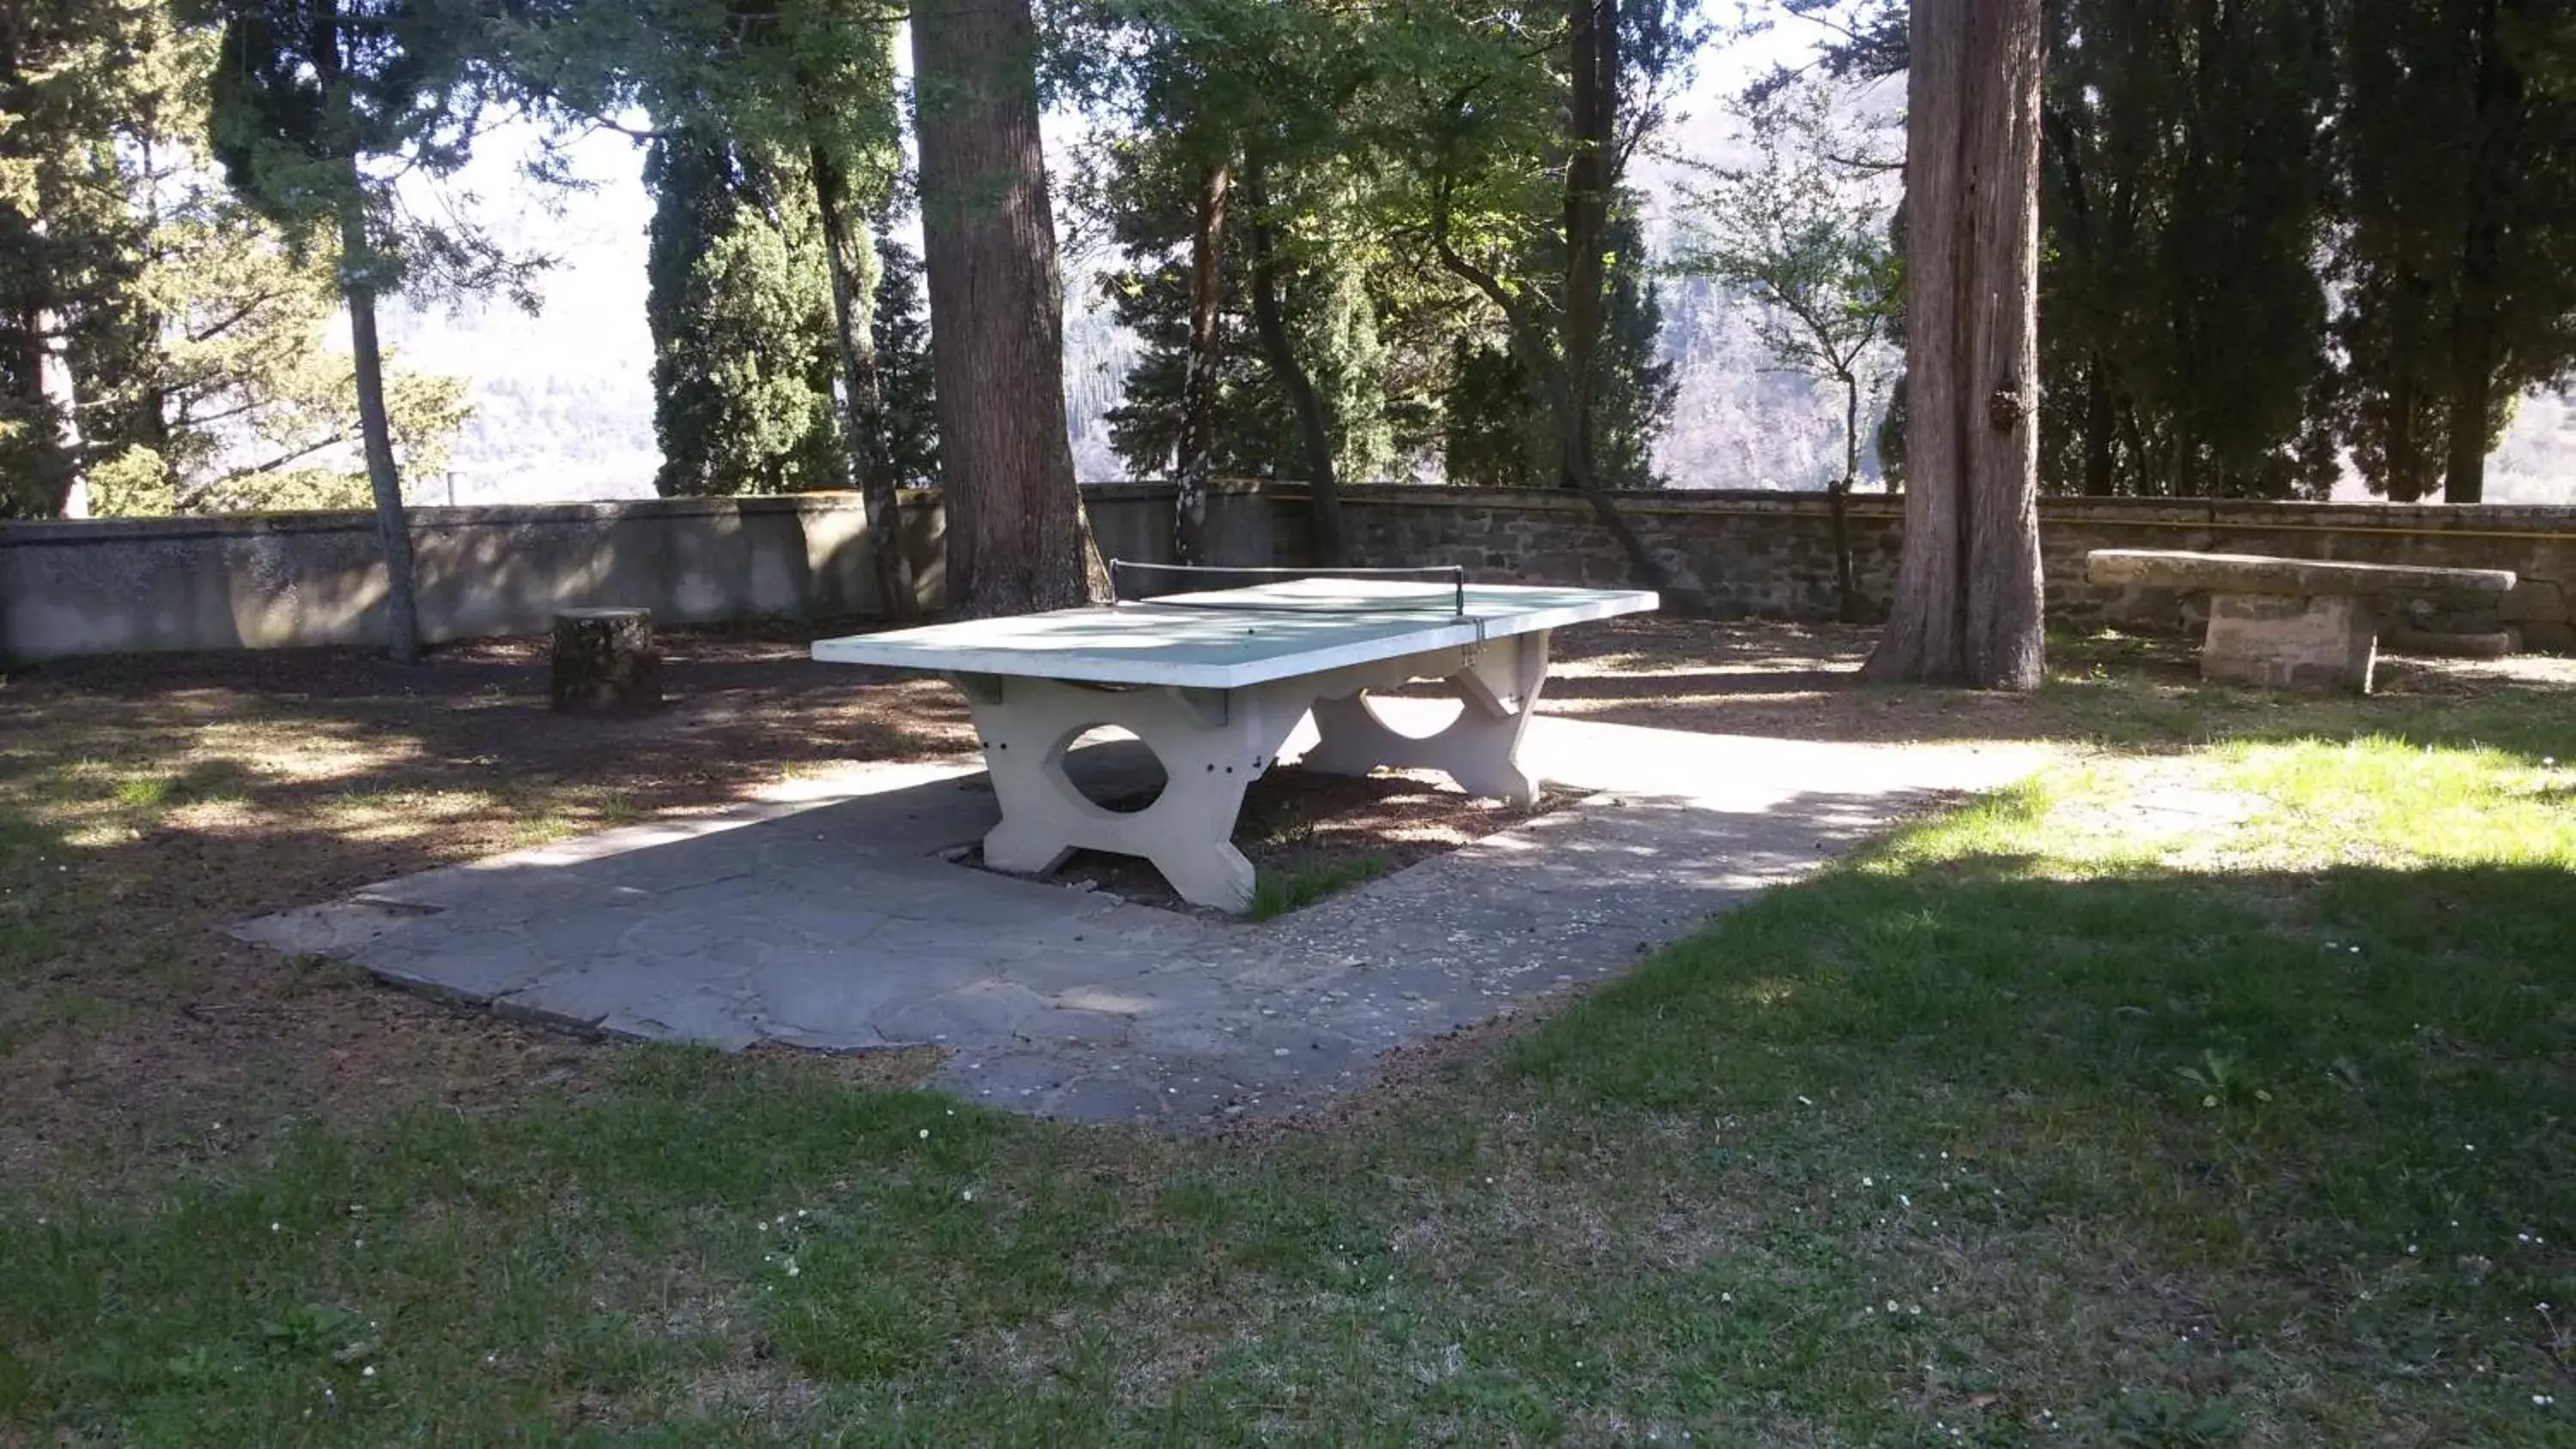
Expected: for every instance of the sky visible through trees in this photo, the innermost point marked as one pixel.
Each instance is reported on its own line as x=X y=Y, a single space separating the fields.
x=574 y=384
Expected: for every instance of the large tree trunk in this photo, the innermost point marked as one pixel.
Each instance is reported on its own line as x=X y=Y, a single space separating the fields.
x=1269 y=319
x=1968 y=600
x=48 y=362
x=862 y=399
x=61 y=392
x=2100 y=421
x=1846 y=590
x=1017 y=540
x=2404 y=454
x=1592 y=28
x=1199 y=387
x=393 y=526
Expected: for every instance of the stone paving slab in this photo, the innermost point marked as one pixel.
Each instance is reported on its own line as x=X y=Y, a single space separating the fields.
x=821 y=915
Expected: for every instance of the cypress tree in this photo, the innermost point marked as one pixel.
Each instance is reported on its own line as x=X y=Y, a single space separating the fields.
x=740 y=309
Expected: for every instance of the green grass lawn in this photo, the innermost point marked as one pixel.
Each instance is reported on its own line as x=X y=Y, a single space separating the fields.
x=2224 y=1096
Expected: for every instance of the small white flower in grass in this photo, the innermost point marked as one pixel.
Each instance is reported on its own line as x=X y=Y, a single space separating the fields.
x=272 y=1227
x=1867 y=1181
x=792 y=1269
x=2410 y=1250
x=368 y=1372
x=1726 y=1298
x=925 y=1134
x=968 y=1194
x=1891 y=1306
x=2542 y=1400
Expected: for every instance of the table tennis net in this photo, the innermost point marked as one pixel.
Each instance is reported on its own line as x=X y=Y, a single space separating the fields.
x=1439 y=590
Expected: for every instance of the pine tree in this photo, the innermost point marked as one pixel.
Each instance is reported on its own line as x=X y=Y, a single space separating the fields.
x=216 y=390
x=317 y=104
x=71 y=74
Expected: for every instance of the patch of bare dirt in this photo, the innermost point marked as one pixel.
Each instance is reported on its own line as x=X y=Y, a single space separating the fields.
x=290 y=776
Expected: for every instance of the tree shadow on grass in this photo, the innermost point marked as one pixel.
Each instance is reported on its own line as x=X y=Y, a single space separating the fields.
x=2288 y=1061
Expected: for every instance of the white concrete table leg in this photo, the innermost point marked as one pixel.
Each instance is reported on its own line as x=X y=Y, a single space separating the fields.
x=1480 y=749
x=1211 y=745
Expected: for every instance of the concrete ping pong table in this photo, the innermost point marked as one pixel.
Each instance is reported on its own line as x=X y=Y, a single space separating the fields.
x=1214 y=682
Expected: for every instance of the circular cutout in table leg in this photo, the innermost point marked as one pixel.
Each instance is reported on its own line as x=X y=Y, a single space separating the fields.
x=1115 y=788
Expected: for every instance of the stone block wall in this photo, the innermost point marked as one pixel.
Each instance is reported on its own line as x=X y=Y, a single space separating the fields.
x=1764 y=554
x=108 y=586
x=112 y=586
x=1770 y=554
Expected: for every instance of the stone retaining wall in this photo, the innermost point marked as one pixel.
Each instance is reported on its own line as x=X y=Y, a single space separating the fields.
x=294 y=579
x=1771 y=554
x=111 y=586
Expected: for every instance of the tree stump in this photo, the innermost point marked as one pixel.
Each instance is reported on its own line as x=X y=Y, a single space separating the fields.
x=605 y=660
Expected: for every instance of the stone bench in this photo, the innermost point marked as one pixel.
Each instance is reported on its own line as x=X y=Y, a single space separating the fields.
x=2291 y=623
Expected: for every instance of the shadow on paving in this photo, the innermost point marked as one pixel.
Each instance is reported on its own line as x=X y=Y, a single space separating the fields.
x=831 y=923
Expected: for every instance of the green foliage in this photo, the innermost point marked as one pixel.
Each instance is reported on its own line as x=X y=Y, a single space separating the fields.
x=907 y=443
x=2183 y=323
x=1383 y=136
x=740 y=306
x=2459 y=253
x=77 y=78
x=1276 y=894
x=319 y=108
x=1496 y=428
x=2283 y=229
x=195 y=325
x=1332 y=320
x=1803 y=233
